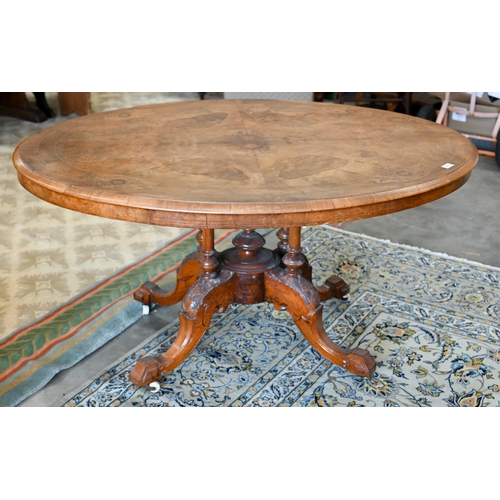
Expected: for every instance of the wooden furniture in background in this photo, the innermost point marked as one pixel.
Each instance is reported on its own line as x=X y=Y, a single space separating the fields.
x=74 y=102
x=244 y=164
x=17 y=105
x=317 y=96
x=390 y=99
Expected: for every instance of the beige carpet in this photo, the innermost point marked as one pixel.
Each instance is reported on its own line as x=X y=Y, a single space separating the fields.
x=49 y=254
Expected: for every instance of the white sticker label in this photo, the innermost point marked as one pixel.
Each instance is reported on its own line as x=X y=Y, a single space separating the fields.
x=459 y=117
x=447 y=165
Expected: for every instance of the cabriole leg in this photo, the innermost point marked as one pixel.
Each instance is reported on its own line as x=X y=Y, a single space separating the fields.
x=213 y=291
x=288 y=290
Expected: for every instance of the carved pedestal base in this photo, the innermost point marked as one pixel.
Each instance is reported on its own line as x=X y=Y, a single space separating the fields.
x=208 y=282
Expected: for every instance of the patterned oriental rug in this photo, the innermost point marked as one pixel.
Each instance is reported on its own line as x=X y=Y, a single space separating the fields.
x=432 y=322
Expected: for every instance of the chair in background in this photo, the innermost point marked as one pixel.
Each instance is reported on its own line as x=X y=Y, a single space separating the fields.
x=476 y=117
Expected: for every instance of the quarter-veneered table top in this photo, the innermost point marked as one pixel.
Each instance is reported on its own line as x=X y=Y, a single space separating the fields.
x=243 y=164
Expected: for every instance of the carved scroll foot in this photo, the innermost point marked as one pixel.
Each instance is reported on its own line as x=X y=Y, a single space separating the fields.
x=150 y=293
x=334 y=287
x=146 y=370
x=300 y=298
x=203 y=299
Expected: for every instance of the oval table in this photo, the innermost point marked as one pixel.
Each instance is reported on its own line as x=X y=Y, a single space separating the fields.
x=244 y=165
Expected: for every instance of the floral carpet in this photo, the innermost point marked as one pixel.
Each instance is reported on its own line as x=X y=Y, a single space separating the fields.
x=432 y=323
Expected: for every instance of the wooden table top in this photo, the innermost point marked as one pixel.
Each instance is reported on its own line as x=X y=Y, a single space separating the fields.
x=243 y=164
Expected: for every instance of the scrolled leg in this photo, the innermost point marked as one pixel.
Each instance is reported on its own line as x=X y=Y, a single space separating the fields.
x=205 y=297
x=287 y=289
x=150 y=294
x=213 y=291
x=299 y=297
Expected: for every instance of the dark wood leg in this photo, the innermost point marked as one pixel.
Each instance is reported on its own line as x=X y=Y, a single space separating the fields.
x=188 y=272
x=407 y=97
x=43 y=105
x=288 y=290
x=74 y=102
x=16 y=104
x=205 y=297
x=213 y=291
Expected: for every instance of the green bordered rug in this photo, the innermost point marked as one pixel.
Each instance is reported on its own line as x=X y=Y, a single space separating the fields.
x=432 y=322
x=31 y=356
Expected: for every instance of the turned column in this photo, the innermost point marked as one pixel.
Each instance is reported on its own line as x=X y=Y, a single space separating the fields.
x=294 y=259
x=249 y=260
x=284 y=247
x=283 y=234
x=207 y=256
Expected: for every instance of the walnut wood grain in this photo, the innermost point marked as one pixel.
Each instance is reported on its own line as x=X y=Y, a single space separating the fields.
x=288 y=289
x=299 y=297
x=243 y=164
x=203 y=299
x=188 y=272
x=74 y=102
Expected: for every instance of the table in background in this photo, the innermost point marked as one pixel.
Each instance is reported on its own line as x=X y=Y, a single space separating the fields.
x=17 y=105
